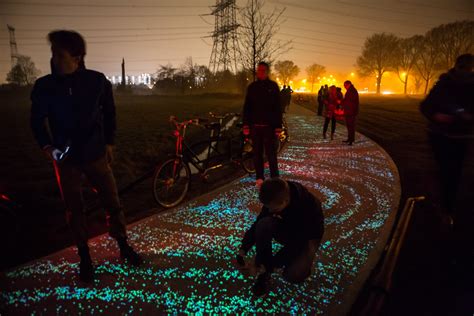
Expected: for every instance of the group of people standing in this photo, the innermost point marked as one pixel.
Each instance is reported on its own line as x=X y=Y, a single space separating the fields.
x=332 y=105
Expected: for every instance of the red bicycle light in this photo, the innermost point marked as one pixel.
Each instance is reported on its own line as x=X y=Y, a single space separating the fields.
x=4 y=197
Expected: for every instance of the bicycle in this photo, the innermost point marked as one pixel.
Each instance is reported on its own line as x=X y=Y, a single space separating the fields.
x=172 y=179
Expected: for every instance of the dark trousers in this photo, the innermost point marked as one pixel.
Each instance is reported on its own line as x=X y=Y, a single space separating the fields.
x=320 y=108
x=449 y=153
x=350 y=124
x=326 y=124
x=101 y=177
x=296 y=257
x=263 y=137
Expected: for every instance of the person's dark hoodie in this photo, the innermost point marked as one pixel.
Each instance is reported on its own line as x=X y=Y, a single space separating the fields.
x=263 y=104
x=80 y=111
x=452 y=94
x=303 y=218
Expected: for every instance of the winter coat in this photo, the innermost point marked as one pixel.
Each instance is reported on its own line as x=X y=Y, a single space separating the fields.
x=263 y=104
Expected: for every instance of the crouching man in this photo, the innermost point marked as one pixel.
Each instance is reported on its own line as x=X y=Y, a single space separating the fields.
x=292 y=216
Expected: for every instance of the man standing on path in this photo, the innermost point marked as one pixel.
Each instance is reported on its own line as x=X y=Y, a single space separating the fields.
x=350 y=105
x=78 y=106
x=262 y=119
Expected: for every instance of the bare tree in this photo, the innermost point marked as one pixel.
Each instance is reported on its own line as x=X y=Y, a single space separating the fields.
x=257 y=35
x=314 y=71
x=166 y=72
x=378 y=56
x=453 y=40
x=24 y=73
x=428 y=57
x=406 y=57
x=286 y=70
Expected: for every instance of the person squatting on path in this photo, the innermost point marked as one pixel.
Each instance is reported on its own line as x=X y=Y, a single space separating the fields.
x=350 y=104
x=293 y=217
x=330 y=105
x=449 y=107
x=79 y=107
x=262 y=119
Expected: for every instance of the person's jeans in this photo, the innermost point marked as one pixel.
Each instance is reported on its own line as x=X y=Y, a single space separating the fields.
x=449 y=154
x=326 y=124
x=350 y=124
x=296 y=257
x=263 y=137
x=101 y=177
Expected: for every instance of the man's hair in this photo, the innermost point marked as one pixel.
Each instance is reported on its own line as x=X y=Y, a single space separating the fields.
x=272 y=188
x=262 y=63
x=70 y=41
x=348 y=82
x=464 y=62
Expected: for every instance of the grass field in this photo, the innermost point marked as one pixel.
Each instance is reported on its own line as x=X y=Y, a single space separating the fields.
x=144 y=139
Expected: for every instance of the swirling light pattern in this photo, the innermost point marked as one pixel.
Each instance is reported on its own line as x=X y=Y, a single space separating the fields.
x=189 y=250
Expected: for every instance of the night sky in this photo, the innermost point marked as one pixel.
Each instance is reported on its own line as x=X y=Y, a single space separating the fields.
x=151 y=33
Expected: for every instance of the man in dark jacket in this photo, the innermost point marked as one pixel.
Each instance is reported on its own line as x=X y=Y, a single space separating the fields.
x=262 y=119
x=79 y=108
x=449 y=107
x=292 y=216
x=350 y=104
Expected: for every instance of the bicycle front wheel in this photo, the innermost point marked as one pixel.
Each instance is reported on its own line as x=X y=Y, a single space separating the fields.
x=171 y=182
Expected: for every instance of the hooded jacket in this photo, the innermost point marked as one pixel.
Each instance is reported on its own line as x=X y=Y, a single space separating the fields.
x=263 y=104
x=303 y=218
x=452 y=94
x=80 y=111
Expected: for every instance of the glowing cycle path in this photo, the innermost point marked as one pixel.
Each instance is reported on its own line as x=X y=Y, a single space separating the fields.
x=189 y=250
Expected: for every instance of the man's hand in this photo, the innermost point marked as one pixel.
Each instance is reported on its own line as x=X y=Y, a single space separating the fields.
x=246 y=130
x=109 y=154
x=52 y=152
x=278 y=132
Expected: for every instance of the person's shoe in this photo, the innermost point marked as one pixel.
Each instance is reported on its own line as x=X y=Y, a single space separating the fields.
x=349 y=143
x=324 y=136
x=240 y=262
x=86 y=269
x=258 y=183
x=262 y=285
x=345 y=141
x=332 y=136
x=128 y=254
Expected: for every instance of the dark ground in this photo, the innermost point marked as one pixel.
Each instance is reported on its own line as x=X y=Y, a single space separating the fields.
x=425 y=283
x=427 y=280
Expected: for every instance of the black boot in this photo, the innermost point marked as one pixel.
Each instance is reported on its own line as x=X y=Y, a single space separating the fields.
x=128 y=254
x=262 y=285
x=86 y=269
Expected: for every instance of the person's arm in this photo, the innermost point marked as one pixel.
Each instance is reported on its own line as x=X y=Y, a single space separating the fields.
x=249 y=238
x=108 y=104
x=39 y=114
x=430 y=106
x=312 y=217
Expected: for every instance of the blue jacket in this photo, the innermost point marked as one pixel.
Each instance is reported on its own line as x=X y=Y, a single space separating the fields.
x=80 y=111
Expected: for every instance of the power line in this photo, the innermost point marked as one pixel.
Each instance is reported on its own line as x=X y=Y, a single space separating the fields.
x=69 y=15
x=121 y=41
x=372 y=18
x=95 y=5
x=119 y=29
x=315 y=39
x=121 y=36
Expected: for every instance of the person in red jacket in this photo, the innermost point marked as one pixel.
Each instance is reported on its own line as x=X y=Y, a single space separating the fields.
x=330 y=105
x=351 y=110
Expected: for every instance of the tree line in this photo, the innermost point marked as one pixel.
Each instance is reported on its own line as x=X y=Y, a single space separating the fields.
x=421 y=57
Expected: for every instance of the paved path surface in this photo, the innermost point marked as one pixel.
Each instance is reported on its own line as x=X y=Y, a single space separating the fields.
x=188 y=250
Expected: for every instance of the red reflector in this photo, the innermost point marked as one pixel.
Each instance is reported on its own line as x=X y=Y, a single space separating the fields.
x=176 y=133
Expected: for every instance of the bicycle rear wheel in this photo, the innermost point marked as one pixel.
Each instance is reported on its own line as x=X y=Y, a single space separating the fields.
x=171 y=182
